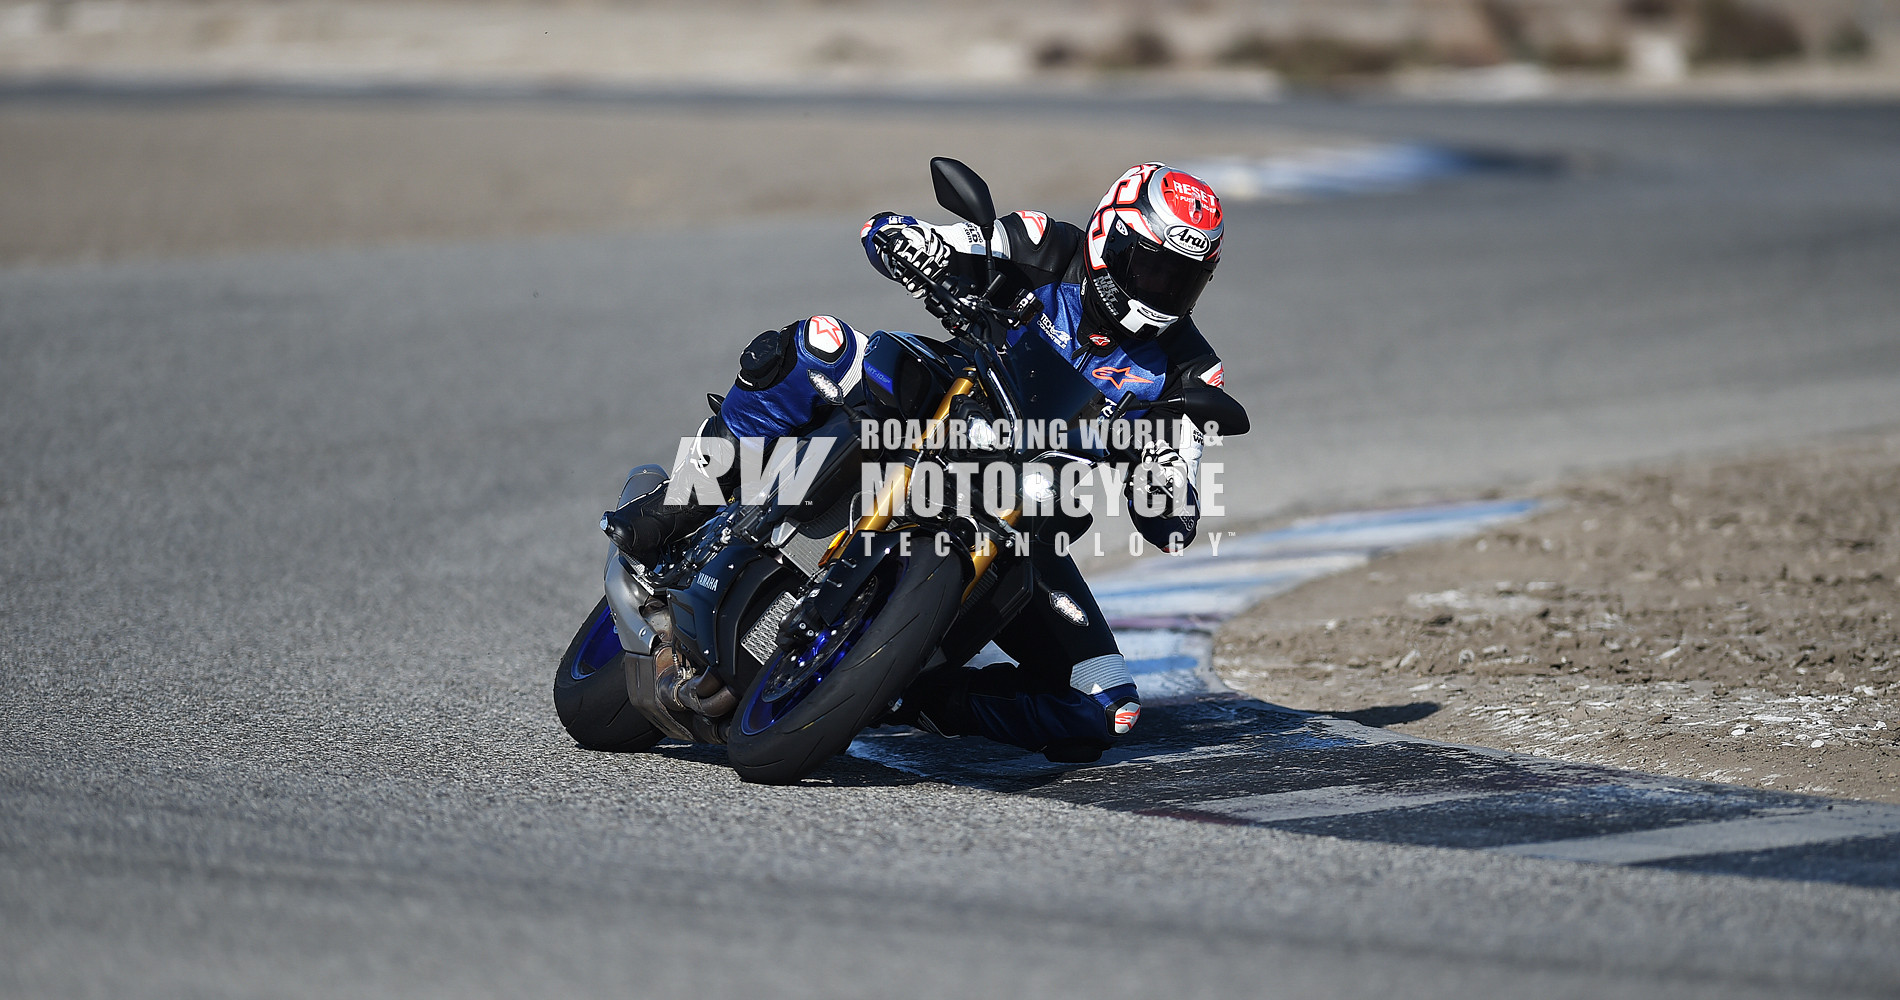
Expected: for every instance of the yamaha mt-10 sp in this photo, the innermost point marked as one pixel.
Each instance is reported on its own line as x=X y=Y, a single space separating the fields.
x=783 y=629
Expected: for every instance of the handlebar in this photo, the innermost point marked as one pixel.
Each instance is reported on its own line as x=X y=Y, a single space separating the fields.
x=1202 y=404
x=969 y=307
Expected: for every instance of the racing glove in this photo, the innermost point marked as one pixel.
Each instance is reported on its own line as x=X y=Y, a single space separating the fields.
x=922 y=248
x=1161 y=494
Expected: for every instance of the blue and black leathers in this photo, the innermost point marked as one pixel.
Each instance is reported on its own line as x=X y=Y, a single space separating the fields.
x=1046 y=257
x=1070 y=697
x=1072 y=694
x=790 y=379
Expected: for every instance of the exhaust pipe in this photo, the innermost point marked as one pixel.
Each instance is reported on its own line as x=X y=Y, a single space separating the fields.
x=664 y=687
x=625 y=598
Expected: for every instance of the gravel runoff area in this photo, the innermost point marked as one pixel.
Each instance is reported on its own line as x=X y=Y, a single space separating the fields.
x=1727 y=620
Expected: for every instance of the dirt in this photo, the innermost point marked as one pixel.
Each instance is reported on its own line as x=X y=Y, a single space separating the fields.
x=1726 y=620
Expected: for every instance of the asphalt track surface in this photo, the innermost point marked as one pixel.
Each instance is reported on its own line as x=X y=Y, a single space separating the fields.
x=291 y=542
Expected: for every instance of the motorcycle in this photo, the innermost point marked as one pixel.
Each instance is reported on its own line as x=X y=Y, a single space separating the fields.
x=782 y=628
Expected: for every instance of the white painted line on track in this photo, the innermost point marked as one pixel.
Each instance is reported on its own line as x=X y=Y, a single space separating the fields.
x=1169 y=663
x=1336 y=800
x=1842 y=821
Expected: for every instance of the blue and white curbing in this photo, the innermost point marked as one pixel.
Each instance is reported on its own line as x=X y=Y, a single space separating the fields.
x=1347 y=171
x=1164 y=610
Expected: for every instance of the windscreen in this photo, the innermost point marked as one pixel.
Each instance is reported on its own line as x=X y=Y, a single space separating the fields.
x=1045 y=384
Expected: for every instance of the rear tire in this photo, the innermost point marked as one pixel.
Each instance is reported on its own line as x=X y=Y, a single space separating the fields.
x=882 y=660
x=590 y=690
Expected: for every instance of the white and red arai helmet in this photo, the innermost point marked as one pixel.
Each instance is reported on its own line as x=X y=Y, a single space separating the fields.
x=1152 y=245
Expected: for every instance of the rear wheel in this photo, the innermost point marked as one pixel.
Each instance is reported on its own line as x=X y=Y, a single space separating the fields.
x=590 y=690
x=809 y=703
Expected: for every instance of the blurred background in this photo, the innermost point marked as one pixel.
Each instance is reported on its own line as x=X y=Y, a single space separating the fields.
x=328 y=330
x=1262 y=46
x=190 y=177
x=1473 y=243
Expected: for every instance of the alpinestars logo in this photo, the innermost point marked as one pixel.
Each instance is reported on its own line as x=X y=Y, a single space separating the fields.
x=826 y=336
x=1035 y=224
x=1117 y=376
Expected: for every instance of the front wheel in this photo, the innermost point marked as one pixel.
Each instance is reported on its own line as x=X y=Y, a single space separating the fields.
x=809 y=703
x=590 y=690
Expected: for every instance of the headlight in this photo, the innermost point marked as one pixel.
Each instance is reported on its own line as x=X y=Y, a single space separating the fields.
x=1038 y=488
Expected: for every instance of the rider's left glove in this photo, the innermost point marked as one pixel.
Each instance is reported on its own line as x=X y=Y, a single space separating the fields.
x=1161 y=495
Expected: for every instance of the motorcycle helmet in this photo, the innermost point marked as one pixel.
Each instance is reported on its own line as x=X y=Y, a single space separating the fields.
x=1153 y=244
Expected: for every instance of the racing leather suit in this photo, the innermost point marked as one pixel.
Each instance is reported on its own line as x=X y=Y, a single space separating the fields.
x=1072 y=693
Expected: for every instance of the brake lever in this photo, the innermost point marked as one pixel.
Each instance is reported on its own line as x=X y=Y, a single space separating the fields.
x=959 y=315
x=941 y=294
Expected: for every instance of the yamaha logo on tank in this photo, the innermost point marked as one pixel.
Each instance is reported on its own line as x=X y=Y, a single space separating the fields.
x=1188 y=240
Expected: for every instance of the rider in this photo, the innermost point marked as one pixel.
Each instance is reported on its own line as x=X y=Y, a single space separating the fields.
x=1116 y=301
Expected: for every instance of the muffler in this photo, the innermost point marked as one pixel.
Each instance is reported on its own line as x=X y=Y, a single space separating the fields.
x=684 y=703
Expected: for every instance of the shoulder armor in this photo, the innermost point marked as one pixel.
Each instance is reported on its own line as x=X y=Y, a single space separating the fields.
x=1042 y=247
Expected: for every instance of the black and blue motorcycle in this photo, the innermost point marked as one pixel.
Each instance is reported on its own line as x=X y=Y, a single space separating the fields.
x=783 y=629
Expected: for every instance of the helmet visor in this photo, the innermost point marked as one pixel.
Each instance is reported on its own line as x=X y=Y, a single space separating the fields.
x=1162 y=279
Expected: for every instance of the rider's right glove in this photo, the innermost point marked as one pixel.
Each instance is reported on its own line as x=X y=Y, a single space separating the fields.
x=920 y=247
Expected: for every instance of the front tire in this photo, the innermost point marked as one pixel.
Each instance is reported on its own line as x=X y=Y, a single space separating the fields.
x=590 y=690
x=775 y=744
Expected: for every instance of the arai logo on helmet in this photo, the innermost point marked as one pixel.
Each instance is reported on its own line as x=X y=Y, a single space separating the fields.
x=1188 y=240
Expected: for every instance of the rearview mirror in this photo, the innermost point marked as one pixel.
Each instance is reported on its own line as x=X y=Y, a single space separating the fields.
x=961 y=191
x=1203 y=403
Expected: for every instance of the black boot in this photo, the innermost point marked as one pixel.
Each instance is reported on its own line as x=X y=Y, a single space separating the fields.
x=937 y=703
x=644 y=526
